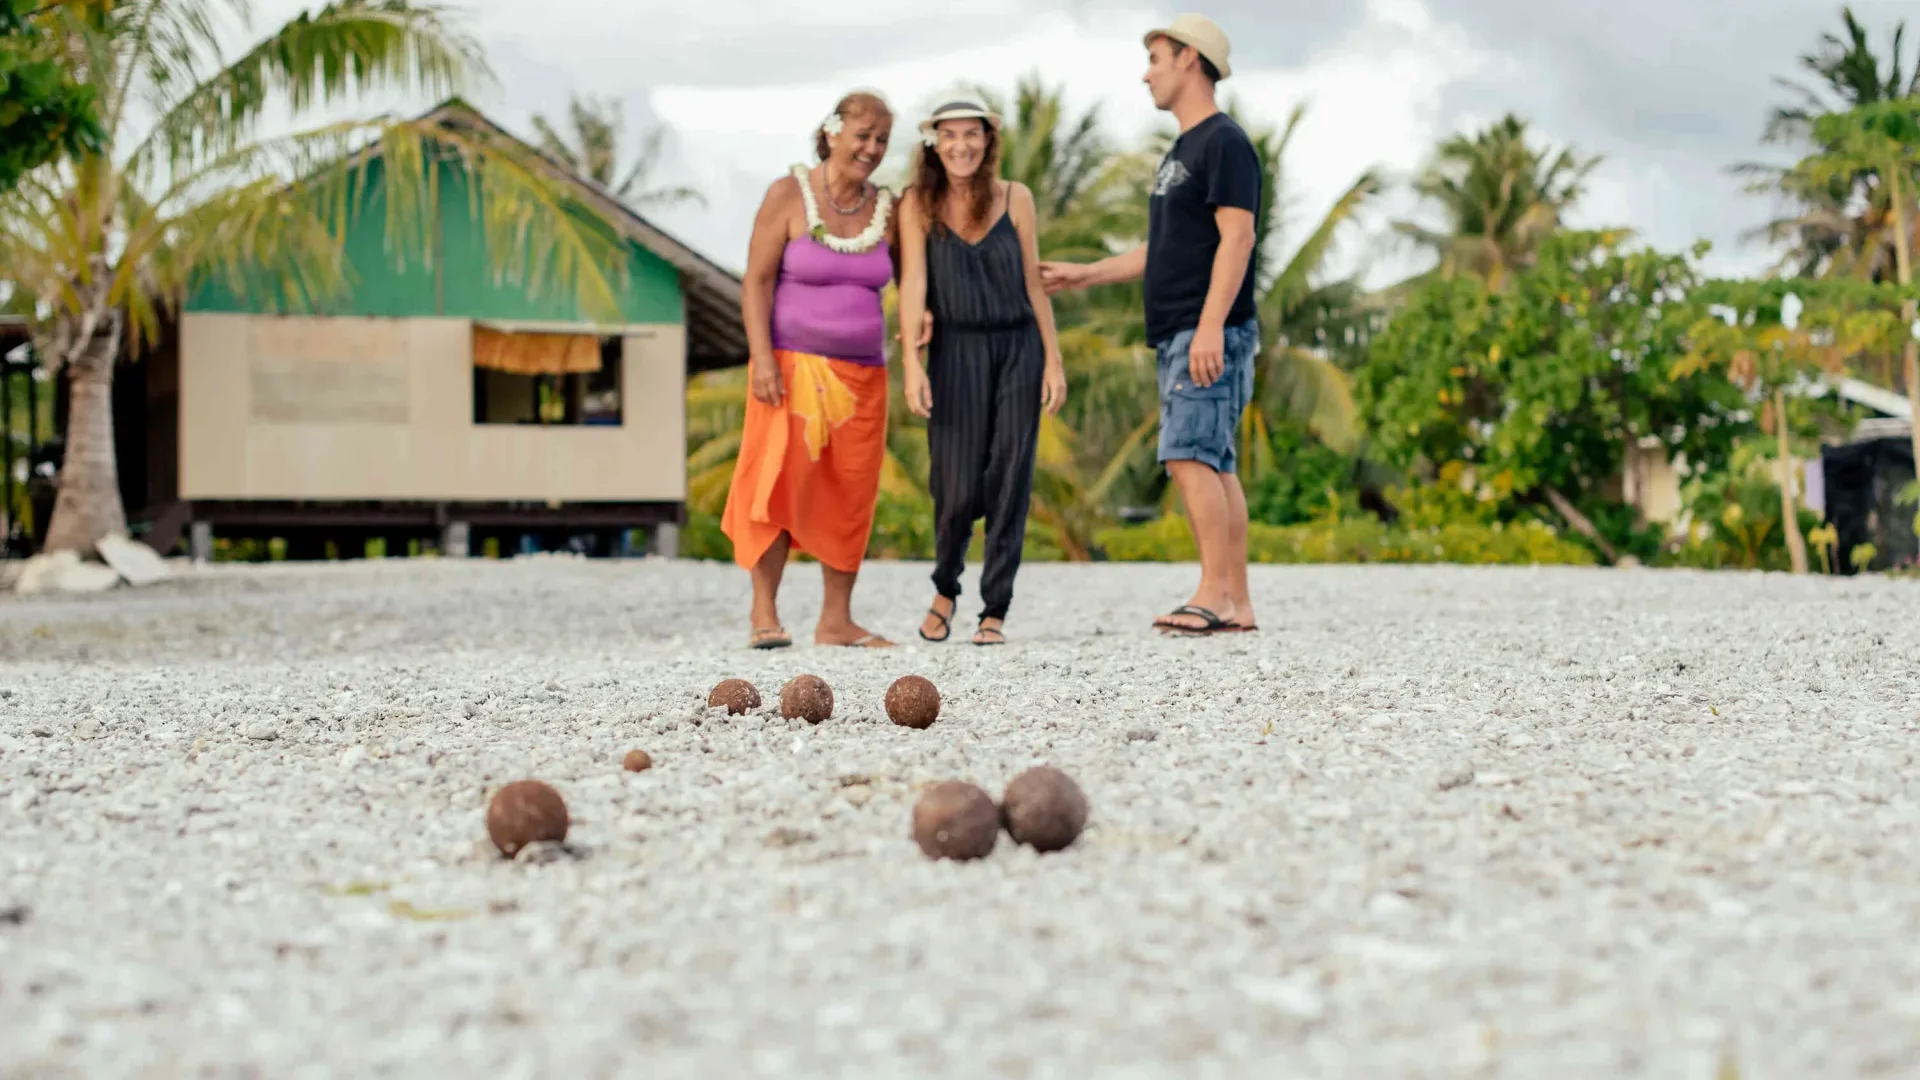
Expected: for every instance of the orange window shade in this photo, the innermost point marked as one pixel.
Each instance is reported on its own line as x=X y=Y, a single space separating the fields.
x=535 y=354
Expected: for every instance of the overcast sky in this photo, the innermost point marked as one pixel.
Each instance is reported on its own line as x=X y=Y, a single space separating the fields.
x=1671 y=92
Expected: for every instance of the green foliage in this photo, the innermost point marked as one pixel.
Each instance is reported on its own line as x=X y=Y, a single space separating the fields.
x=1863 y=555
x=1358 y=540
x=1545 y=384
x=1310 y=481
x=1735 y=512
x=1747 y=335
x=902 y=529
x=45 y=113
x=1456 y=497
x=702 y=538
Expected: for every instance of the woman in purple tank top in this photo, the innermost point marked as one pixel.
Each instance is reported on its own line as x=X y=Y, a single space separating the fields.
x=808 y=472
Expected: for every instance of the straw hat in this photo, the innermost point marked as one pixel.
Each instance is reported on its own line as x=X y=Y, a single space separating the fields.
x=1200 y=33
x=960 y=107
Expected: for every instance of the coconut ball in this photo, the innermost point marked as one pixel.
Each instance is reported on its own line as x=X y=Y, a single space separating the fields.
x=913 y=702
x=637 y=761
x=955 y=820
x=1044 y=808
x=525 y=812
x=735 y=695
x=807 y=697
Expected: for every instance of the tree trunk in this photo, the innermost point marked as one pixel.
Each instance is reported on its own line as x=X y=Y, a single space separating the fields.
x=1789 y=511
x=88 y=505
x=1580 y=522
x=1903 y=272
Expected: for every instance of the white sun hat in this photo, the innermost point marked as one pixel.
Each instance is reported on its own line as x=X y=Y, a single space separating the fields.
x=1201 y=34
x=960 y=106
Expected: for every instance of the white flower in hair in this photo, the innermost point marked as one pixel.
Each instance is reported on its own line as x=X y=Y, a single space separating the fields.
x=930 y=139
x=833 y=124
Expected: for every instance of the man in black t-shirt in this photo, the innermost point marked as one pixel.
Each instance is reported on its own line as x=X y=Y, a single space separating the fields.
x=1197 y=273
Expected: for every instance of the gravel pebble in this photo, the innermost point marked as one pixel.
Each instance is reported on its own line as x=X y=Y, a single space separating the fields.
x=1429 y=822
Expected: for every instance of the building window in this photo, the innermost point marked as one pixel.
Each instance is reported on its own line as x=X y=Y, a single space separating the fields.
x=565 y=379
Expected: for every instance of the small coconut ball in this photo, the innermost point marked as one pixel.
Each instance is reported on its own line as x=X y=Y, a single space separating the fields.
x=1044 y=808
x=913 y=702
x=807 y=697
x=955 y=820
x=525 y=812
x=735 y=695
x=638 y=761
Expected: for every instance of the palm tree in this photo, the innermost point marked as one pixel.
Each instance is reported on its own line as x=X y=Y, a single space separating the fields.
x=1882 y=140
x=1831 y=228
x=1057 y=155
x=107 y=243
x=1850 y=71
x=1500 y=196
x=1826 y=231
x=593 y=151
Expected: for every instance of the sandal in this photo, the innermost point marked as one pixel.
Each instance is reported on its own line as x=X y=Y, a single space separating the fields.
x=871 y=641
x=994 y=630
x=946 y=628
x=1211 y=623
x=770 y=637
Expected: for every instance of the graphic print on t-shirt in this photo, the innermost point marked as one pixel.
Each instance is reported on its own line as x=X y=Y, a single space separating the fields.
x=1212 y=165
x=1171 y=175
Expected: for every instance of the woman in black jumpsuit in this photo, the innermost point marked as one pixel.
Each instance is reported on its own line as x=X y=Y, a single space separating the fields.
x=969 y=254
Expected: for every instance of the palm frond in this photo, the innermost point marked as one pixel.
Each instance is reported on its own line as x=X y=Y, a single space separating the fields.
x=723 y=448
x=1303 y=387
x=1296 y=278
x=344 y=49
x=707 y=490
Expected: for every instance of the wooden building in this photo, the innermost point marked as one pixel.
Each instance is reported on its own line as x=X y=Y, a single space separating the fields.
x=434 y=402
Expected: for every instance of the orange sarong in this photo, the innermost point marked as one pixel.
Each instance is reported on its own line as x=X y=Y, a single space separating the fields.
x=810 y=466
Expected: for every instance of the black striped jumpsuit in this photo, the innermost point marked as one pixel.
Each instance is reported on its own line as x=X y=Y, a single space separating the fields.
x=985 y=365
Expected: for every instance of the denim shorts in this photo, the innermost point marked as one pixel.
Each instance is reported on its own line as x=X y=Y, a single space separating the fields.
x=1202 y=423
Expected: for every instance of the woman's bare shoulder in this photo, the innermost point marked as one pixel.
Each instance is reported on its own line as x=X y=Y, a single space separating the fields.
x=783 y=191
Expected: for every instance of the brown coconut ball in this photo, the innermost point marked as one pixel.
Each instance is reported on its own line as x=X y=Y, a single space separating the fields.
x=807 y=697
x=1044 y=808
x=525 y=812
x=913 y=702
x=638 y=761
x=955 y=820
x=735 y=695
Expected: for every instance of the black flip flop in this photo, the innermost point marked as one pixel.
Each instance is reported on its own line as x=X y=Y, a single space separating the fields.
x=944 y=625
x=1213 y=624
x=770 y=637
x=995 y=631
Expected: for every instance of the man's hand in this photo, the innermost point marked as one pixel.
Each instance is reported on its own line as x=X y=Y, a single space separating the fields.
x=763 y=373
x=1207 y=355
x=1059 y=276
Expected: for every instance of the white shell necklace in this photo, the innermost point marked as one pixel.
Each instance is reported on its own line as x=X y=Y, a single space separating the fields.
x=875 y=231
